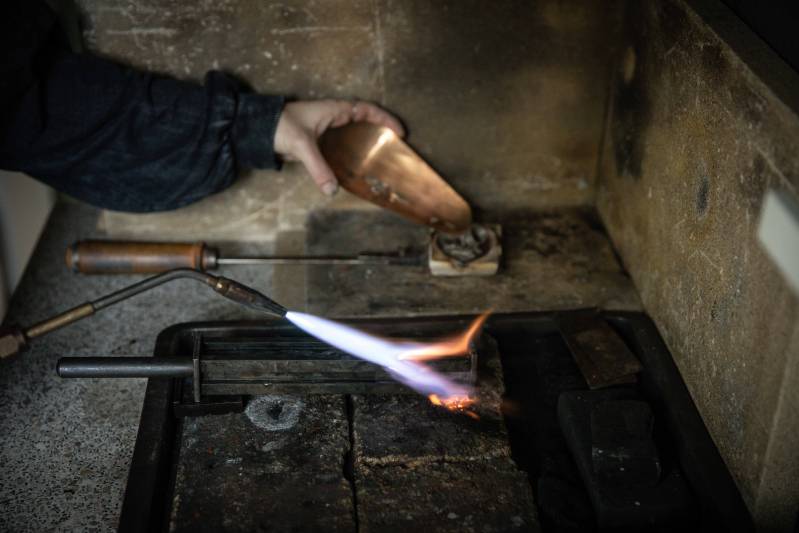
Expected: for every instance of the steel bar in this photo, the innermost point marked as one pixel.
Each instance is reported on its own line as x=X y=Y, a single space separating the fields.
x=124 y=367
x=361 y=259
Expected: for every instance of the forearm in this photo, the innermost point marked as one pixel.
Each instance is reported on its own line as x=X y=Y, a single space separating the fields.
x=131 y=141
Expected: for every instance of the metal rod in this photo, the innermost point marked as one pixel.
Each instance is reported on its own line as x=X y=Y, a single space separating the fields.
x=295 y=260
x=361 y=259
x=124 y=367
x=149 y=283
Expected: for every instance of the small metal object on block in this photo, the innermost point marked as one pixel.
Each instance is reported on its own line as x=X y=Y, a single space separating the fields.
x=479 y=257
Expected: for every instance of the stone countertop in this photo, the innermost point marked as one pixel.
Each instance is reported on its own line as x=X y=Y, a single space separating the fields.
x=66 y=444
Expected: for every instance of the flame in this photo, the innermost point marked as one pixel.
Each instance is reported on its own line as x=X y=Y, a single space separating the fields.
x=402 y=359
x=455 y=403
x=453 y=346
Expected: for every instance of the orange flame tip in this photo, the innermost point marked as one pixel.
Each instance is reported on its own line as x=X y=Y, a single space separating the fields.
x=456 y=403
x=454 y=346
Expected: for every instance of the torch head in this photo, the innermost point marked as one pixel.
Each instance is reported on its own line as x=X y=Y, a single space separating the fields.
x=247 y=296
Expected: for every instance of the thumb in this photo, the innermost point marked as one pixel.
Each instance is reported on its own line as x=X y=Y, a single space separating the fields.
x=308 y=153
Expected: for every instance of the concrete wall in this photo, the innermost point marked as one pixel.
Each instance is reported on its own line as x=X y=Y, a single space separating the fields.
x=695 y=137
x=24 y=208
x=505 y=99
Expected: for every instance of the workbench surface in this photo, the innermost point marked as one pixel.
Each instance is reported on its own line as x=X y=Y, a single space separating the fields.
x=67 y=444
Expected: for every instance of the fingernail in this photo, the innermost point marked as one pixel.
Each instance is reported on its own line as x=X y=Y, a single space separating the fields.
x=330 y=188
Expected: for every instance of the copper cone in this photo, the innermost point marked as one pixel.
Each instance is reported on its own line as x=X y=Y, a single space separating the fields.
x=374 y=163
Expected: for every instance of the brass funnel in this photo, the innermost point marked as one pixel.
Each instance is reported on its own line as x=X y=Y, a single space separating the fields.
x=374 y=163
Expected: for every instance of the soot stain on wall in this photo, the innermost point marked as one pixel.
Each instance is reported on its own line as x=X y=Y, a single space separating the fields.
x=714 y=139
x=631 y=114
x=702 y=195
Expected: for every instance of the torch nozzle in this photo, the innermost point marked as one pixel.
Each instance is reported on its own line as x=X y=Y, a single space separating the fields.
x=247 y=296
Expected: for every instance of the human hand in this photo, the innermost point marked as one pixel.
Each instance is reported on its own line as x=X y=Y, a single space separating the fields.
x=302 y=123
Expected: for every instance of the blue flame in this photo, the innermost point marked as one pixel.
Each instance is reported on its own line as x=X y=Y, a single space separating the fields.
x=384 y=352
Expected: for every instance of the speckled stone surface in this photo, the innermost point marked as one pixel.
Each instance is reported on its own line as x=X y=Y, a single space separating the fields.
x=66 y=444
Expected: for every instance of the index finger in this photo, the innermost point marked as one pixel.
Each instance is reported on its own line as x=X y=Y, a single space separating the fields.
x=376 y=115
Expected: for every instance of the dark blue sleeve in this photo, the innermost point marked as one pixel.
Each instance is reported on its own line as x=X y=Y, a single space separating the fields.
x=132 y=141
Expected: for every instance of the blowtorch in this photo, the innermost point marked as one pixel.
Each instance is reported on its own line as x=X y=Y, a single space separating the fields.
x=15 y=339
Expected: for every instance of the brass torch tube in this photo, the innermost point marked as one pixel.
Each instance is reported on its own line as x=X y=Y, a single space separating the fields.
x=59 y=321
x=228 y=288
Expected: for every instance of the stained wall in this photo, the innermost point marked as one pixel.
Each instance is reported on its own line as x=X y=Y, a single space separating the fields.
x=701 y=123
x=505 y=99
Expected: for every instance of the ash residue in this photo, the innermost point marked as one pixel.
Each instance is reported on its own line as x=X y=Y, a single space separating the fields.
x=467 y=246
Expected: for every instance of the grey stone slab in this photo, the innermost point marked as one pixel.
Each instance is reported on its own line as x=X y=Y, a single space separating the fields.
x=277 y=466
x=485 y=496
x=410 y=430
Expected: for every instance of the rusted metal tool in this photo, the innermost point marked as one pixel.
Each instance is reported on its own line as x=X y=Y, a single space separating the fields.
x=600 y=353
x=374 y=163
x=120 y=257
x=15 y=339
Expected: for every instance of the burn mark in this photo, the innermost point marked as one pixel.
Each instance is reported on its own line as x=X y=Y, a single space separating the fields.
x=349 y=460
x=702 y=195
x=631 y=106
x=713 y=61
x=274 y=413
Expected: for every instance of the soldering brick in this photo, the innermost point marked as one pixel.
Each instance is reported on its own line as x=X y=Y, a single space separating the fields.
x=485 y=496
x=409 y=430
x=279 y=462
